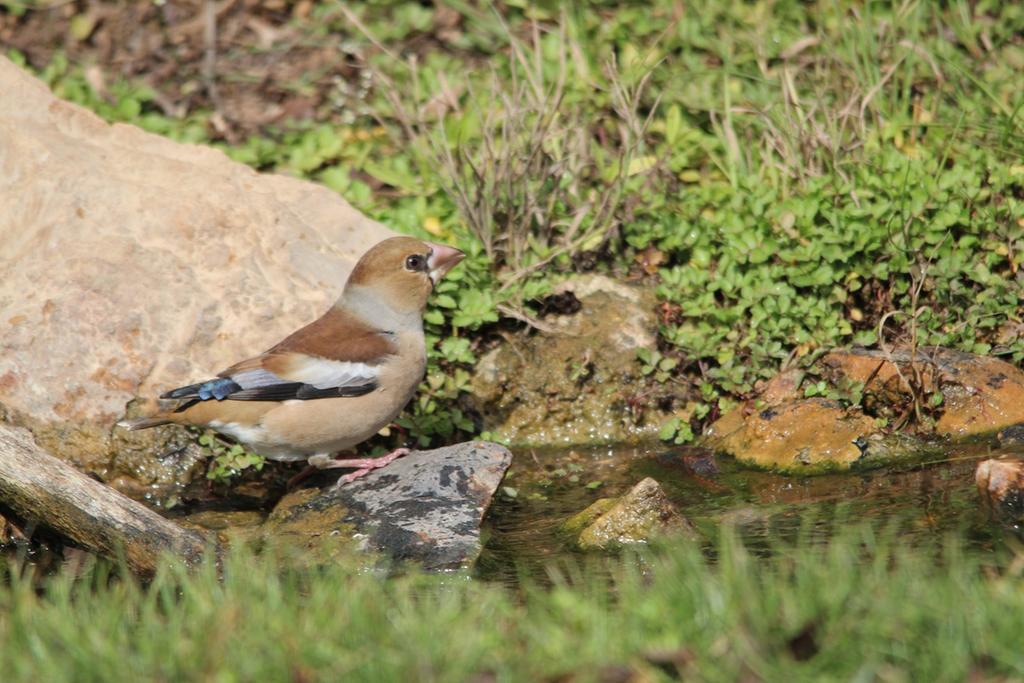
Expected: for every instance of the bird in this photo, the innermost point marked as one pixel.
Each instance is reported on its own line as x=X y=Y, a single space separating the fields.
x=337 y=381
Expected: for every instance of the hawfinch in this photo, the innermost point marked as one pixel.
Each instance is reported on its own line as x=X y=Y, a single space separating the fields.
x=337 y=381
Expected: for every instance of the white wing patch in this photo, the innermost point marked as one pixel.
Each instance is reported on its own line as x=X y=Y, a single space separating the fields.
x=326 y=374
x=318 y=372
x=256 y=378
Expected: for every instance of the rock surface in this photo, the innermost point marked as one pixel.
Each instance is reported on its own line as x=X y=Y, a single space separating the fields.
x=426 y=506
x=132 y=264
x=568 y=385
x=980 y=394
x=782 y=388
x=1001 y=485
x=636 y=517
x=799 y=436
x=781 y=430
x=1011 y=436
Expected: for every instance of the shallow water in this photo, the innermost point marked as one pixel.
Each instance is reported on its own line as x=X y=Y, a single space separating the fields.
x=920 y=502
x=544 y=487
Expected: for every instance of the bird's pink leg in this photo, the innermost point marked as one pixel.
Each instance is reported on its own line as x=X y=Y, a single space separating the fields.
x=362 y=466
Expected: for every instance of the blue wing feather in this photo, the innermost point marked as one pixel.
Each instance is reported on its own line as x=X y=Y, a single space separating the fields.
x=219 y=389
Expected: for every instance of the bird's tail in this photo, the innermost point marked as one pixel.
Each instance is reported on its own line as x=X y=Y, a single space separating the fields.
x=133 y=424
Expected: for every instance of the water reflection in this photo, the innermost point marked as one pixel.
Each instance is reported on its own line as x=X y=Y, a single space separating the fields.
x=544 y=487
x=918 y=503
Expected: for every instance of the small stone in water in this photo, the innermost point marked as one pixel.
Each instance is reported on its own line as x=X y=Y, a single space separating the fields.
x=1000 y=482
x=643 y=512
x=1012 y=436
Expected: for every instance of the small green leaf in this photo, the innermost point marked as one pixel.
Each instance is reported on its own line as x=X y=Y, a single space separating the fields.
x=444 y=301
x=668 y=429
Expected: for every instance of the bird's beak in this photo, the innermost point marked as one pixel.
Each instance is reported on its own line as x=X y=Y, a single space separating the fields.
x=442 y=259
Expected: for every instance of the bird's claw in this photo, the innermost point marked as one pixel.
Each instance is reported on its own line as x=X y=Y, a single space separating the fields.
x=366 y=466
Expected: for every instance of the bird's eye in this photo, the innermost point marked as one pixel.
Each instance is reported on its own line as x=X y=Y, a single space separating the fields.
x=416 y=262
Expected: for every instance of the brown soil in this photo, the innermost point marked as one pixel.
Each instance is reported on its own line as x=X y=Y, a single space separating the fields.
x=252 y=63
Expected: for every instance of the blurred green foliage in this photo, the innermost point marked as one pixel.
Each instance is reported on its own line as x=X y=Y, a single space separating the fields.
x=864 y=606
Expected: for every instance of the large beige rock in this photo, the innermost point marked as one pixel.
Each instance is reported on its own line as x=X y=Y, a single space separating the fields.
x=131 y=264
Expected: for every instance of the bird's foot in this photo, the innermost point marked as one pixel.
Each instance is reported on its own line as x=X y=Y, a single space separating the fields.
x=362 y=466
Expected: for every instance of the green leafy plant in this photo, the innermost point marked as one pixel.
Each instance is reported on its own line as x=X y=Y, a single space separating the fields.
x=655 y=365
x=228 y=460
x=676 y=430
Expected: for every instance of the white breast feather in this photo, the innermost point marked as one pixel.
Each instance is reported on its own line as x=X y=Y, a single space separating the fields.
x=239 y=432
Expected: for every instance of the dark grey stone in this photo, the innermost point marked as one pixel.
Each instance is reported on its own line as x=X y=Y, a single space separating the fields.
x=426 y=506
x=1012 y=436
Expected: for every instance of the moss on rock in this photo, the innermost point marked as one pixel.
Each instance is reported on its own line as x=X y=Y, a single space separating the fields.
x=570 y=383
x=635 y=517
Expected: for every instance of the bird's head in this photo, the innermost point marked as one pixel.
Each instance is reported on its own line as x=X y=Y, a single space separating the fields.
x=401 y=272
